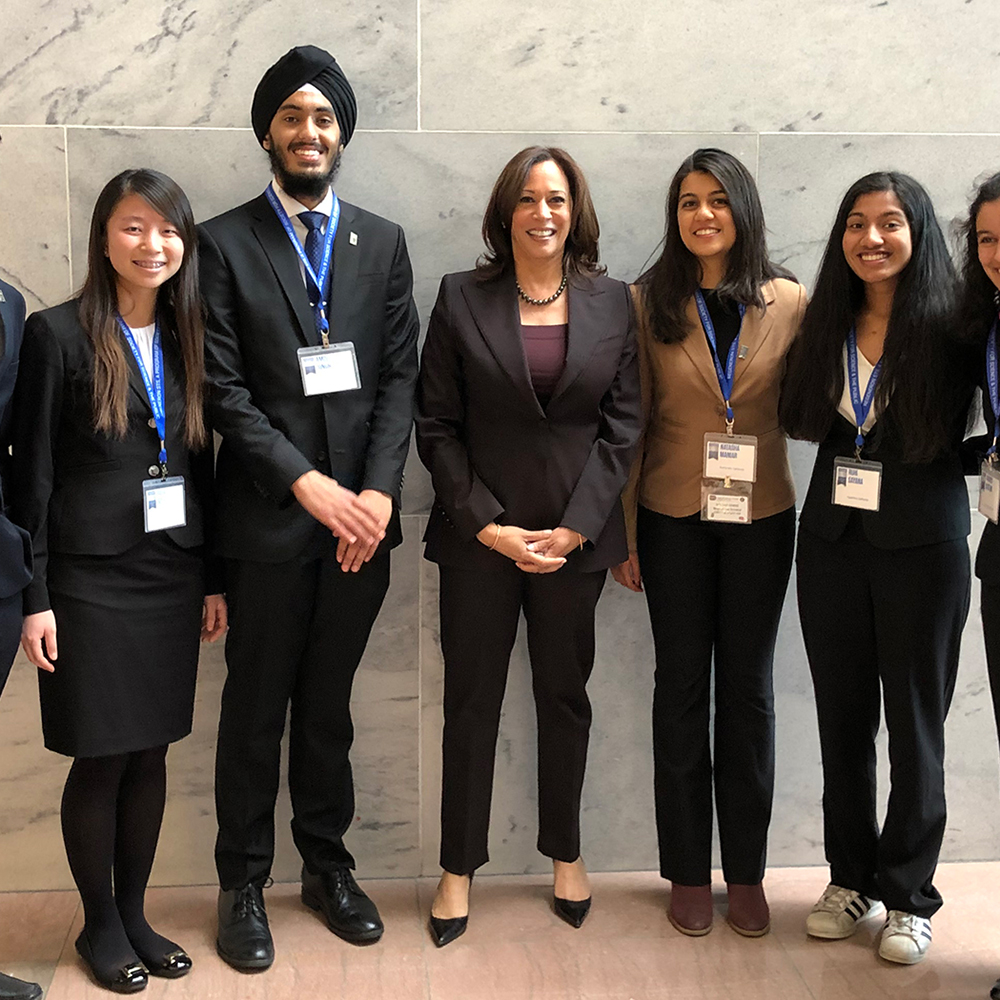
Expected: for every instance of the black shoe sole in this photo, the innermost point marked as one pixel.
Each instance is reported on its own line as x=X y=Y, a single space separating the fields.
x=246 y=965
x=352 y=937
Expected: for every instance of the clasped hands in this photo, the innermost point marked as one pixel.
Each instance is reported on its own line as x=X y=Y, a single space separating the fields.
x=358 y=520
x=532 y=551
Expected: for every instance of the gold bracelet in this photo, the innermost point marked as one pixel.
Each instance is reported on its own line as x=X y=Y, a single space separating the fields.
x=496 y=538
x=578 y=535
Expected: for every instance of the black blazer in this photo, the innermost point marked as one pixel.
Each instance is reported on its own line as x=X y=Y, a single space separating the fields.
x=920 y=504
x=15 y=544
x=988 y=553
x=494 y=454
x=75 y=490
x=258 y=317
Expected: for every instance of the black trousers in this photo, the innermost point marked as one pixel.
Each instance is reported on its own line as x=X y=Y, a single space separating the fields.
x=889 y=617
x=479 y=616
x=10 y=634
x=714 y=588
x=297 y=631
x=990 y=607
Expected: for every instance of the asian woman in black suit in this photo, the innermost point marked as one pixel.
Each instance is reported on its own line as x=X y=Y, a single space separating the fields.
x=527 y=417
x=114 y=612
x=979 y=304
x=883 y=562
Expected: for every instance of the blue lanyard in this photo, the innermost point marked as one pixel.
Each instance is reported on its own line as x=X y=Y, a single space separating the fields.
x=992 y=382
x=154 y=386
x=861 y=406
x=318 y=280
x=725 y=376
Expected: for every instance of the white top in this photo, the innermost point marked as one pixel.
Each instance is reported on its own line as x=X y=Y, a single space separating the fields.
x=865 y=369
x=292 y=209
x=143 y=337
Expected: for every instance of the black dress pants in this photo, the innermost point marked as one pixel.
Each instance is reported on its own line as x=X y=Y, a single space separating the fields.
x=297 y=631
x=10 y=634
x=718 y=588
x=990 y=607
x=479 y=616
x=892 y=618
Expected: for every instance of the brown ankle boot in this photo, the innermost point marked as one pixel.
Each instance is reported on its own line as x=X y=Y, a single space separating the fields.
x=748 y=912
x=691 y=908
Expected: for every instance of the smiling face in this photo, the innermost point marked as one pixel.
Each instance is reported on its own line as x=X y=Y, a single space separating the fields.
x=303 y=144
x=877 y=240
x=988 y=239
x=705 y=220
x=144 y=248
x=543 y=215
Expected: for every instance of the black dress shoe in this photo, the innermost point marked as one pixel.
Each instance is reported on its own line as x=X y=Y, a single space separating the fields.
x=349 y=913
x=130 y=978
x=573 y=911
x=444 y=930
x=18 y=989
x=170 y=966
x=244 y=939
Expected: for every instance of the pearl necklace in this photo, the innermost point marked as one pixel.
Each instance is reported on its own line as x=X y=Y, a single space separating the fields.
x=541 y=302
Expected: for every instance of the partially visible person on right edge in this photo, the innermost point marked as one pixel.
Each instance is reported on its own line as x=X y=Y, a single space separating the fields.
x=15 y=544
x=711 y=513
x=978 y=309
x=878 y=380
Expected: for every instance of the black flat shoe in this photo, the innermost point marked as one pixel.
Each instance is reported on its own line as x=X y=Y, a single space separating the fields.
x=18 y=989
x=444 y=930
x=244 y=939
x=129 y=978
x=349 y=912
x=170 y=966
x=573 y=911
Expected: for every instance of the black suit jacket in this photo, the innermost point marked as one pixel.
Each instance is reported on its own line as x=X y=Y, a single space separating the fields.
x=920 y=504
x=15 y=545
x=258 y=317
x=78 y=491
x=988 y=553
x=494 y=454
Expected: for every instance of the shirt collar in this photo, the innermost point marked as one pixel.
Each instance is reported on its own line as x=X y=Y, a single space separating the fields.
x=293 y=208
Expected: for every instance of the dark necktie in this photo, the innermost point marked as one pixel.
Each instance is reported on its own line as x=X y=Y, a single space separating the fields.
x=313 y=221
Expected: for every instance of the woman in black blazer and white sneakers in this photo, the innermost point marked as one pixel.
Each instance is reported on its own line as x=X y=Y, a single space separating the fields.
x=109 y=392
x=883 y=562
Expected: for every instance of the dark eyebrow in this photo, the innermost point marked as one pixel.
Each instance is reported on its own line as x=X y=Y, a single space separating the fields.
x=298 y=107
x=528 y=190
x=691 y=194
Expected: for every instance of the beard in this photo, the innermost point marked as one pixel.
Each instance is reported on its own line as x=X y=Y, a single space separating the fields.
x=312 y=185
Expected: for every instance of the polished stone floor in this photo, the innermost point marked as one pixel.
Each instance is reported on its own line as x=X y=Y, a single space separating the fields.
x=517 y=948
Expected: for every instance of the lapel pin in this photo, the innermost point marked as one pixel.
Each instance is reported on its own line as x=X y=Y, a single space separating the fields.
x=354 y=239
x=742 y=353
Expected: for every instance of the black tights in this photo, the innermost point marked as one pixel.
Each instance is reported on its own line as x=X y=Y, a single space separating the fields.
x=112 y=808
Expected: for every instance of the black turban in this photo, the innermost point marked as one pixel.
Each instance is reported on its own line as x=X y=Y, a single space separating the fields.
x=297 y=67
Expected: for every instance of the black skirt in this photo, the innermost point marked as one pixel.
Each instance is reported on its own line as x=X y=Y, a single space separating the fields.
x=127 y=630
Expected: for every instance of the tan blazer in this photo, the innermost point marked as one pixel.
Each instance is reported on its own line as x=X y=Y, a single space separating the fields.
x=681 y=401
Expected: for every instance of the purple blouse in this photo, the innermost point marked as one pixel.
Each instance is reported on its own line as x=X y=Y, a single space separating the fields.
x=545 y=349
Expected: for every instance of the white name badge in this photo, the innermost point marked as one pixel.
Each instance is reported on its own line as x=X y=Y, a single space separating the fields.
x=989 y=491
x=730 y=504
x=857 y=483
x=731 y=456
x=163 y=503
x=329 y=369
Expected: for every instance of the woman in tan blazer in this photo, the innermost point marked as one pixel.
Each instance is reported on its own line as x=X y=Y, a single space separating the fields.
x=711 y=525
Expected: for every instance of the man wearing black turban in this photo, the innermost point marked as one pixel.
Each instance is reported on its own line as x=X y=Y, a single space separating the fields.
x=311 y=357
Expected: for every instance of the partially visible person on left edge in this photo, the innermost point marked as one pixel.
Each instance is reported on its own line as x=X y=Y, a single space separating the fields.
x=112 y=478
x=979 y=301
x=15 y=545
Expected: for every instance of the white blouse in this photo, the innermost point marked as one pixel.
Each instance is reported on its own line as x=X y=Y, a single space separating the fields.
x=846 y=409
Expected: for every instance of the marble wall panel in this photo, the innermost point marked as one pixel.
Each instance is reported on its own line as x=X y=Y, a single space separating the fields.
x=803 y=177
x=731 y=66
x=187 y=63
x=34 y=237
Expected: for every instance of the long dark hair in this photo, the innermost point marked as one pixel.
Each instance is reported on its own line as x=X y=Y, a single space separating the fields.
x=580 y=254
x=978 y=297
x=919 y=367
x=178 y=305
x=673 y=277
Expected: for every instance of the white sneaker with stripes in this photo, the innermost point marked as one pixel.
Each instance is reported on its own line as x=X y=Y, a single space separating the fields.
x=905 y=937
x=838 y=911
